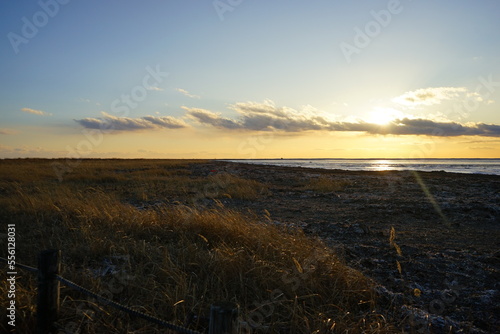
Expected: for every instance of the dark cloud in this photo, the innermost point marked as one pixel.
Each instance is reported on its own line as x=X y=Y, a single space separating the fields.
x=253 y=116
x=420 y=126
x=262 y=117
x=207 y=117
x=110 y=122
x=267 y=117
x=443 y=129
x=165 y=122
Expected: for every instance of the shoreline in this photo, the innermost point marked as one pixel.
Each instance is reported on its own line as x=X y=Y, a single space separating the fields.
x=383 y=164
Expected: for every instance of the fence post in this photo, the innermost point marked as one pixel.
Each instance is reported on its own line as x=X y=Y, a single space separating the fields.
x=49 y=266
x=224 y=318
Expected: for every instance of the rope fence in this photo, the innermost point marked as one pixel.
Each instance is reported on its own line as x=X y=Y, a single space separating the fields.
x=22 y=266
x=223 y=316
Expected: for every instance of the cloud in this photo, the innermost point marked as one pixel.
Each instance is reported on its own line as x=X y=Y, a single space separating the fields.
x=263 y=117
x=433 y=95
x=427 y=127
x=480 y=148
x=110 y=122
x=154 y=88
x=35 y=112
x=26 y=151
x=210 y=118
x=167 y=122
x=481 y=141
x=422 y=127
x=186 y=93
x=266 y=116
x=7 y=132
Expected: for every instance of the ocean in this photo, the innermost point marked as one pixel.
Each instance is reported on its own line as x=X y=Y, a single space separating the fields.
x=471 y=166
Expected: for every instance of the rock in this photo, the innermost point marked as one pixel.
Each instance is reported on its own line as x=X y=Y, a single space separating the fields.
x=487 y=296
x=357 y=229
x=425 y=322
x=360 y=229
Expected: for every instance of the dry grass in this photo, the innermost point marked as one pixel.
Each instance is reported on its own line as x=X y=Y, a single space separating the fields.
x=235 y=187
x=172 y=261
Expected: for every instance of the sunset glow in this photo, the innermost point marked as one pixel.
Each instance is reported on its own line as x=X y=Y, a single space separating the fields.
x=253 y=79
x=383 y=116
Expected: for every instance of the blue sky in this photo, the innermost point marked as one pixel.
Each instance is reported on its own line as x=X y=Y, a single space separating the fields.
x=242 y=69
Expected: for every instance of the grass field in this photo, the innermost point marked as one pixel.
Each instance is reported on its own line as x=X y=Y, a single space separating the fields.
x=154 y=235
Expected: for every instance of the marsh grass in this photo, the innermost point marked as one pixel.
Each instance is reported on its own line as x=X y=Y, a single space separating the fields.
x=178 y=259
x=235 y=187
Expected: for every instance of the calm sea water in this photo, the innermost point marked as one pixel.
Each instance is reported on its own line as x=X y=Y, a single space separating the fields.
x=476 y=166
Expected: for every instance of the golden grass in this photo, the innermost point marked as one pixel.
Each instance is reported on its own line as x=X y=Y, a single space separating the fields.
x=235 y=187
x=173 y=260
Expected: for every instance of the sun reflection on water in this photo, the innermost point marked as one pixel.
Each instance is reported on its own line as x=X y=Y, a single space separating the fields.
x=382 y=165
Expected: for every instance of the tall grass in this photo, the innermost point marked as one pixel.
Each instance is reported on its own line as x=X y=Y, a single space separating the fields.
x=235 y=187
x=172 y=261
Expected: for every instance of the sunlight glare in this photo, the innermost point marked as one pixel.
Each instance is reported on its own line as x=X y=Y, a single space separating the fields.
x=384 y=116
x=381 y=165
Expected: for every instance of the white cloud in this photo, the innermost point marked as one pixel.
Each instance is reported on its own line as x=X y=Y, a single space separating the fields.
x=186 y=93
x=154 y=88
x=431 y=96
x=35 y=112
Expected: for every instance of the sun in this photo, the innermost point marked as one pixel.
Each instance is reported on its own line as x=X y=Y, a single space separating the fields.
x=383 y=116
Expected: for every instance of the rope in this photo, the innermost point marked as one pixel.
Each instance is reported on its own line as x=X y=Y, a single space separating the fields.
x=125 y=308
x=22 y=266
x=112 y=303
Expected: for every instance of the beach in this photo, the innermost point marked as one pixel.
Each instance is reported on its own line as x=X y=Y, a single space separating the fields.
x=447 y=227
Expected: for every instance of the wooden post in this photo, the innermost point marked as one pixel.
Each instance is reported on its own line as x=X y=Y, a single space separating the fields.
x=49 y=266
x=224 y=318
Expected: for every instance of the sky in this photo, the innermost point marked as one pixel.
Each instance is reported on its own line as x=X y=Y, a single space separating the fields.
x=247 y=79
